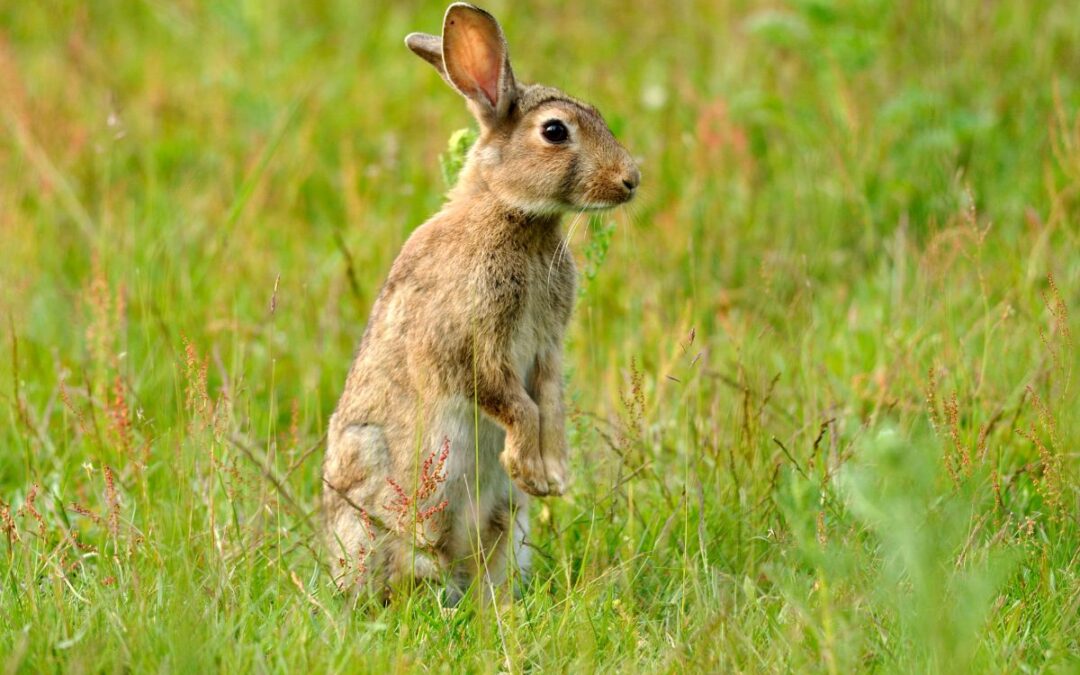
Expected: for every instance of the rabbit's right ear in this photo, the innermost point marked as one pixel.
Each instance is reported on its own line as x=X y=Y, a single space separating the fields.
x=429 y=48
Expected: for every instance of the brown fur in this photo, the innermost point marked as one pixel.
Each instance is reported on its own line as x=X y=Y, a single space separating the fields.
x=464 y=343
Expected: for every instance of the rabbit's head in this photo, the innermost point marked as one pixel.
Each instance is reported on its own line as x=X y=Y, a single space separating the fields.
x=539 y=150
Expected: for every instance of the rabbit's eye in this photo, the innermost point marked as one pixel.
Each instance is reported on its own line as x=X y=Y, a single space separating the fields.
x=555 y=131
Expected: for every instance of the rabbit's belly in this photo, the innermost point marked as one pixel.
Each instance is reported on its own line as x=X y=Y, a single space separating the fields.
x=476 y=483
x=475 y=439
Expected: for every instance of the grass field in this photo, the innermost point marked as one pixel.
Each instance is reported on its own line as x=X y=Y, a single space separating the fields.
x=823 y=372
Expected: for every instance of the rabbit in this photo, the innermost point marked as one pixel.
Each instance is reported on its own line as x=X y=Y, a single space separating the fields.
x=452 y=413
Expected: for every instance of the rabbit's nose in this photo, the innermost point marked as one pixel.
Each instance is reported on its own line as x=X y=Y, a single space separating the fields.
x=631 y=180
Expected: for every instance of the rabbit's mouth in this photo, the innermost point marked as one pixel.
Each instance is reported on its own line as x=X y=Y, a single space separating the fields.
x=603 y=206
x=609 y=199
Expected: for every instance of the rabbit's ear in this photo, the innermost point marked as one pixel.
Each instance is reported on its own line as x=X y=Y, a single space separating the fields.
x=477 y=61
x=429 y=48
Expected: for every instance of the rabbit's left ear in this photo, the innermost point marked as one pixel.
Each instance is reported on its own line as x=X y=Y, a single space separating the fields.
x=477 y=62
x=429 y=48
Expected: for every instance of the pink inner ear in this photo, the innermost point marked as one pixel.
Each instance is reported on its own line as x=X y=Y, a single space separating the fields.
x=483 y=61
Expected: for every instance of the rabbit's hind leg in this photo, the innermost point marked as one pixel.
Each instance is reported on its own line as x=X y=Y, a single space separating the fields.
x=355 y=460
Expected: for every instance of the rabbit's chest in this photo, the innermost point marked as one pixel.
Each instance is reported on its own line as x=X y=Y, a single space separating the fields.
x=527 y=337
x=524 y=297
x=544 y=311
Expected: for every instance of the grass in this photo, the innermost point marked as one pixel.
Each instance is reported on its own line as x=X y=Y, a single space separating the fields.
x=823 y=373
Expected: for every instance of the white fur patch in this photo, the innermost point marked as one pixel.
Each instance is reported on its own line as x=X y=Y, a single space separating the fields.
x=476 y=483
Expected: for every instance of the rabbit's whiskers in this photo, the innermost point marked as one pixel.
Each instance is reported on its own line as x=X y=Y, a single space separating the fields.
x=632 y=217
x=564 y=244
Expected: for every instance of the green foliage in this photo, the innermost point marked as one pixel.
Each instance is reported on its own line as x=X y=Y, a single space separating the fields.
x=595 y=251
x=824 y=412
x=457 y=150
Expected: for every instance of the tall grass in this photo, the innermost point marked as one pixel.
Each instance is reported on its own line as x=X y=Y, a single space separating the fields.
x=822 y=372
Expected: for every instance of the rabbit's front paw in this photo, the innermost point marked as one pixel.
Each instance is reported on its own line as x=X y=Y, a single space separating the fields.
x=555 y=471
x=526 y=470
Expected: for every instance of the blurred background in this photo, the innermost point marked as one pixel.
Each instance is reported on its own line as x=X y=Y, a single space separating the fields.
x=857 y=218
